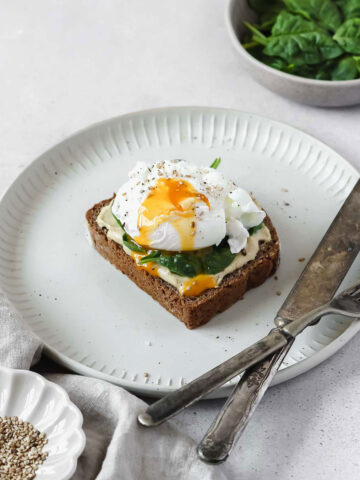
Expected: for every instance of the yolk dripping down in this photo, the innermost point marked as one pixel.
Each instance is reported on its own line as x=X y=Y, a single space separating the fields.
x=191 y=288
x=195 y=286
x=171 y=200
x=150 y=267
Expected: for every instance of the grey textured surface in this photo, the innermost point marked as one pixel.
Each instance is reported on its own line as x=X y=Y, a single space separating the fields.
x=67 y=64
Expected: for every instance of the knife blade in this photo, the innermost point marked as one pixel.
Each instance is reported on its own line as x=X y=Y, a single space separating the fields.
x=333 y=258
x=316 y=285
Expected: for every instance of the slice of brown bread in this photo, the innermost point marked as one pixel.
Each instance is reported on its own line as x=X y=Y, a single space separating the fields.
x=193 y=311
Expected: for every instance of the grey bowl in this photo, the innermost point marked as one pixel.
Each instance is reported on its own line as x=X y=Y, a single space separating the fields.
x=304 y=90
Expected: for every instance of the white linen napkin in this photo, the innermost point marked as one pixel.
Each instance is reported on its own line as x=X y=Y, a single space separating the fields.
x=117 y=448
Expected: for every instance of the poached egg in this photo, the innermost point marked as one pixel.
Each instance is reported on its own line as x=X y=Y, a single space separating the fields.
x=179 y=206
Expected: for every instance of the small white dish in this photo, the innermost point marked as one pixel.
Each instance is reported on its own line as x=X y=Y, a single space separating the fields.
x=324 y=93
x=48 y=408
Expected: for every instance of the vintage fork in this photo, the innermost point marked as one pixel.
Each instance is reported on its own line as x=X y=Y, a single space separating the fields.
x=347 y=304
x=221 y=436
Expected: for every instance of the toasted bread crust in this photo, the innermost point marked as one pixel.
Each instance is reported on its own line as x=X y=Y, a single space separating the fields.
x=193 y=311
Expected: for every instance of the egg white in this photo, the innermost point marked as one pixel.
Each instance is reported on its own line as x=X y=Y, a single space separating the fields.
x=232 y=211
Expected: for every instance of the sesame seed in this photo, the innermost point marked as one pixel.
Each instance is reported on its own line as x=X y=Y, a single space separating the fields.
x=21 y=446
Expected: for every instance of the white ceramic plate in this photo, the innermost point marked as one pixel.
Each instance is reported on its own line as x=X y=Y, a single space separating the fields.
x=96 y=321
x=47 y=406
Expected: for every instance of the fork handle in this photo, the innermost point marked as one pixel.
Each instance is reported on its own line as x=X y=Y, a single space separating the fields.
x=228 y=426
x=174 y=402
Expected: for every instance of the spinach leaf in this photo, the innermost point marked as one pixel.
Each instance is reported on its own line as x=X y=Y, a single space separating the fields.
x=127 y=240
x=299 y=41
x=349 y=8
x=357 y=63
x=210 y=260
x=320 y=71
x=257 y=37
x=297 y=37
x=253 y=230
x=117 y=220
x=215 y=163
x=314 y=71
x=346 y=69
x=185 y=264
x=131 y=245
x=348 y=36
x=275 y=62
x=325 y=12
x=218 y=258
x=150 y=257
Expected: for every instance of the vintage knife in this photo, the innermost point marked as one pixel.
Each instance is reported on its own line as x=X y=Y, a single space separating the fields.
x=316 y=285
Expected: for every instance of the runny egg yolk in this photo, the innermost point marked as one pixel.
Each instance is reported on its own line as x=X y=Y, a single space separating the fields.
x=150 y=267
x=196 y=285
x=170 y=200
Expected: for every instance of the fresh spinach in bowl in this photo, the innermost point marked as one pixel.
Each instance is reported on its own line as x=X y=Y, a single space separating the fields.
x=317 y=39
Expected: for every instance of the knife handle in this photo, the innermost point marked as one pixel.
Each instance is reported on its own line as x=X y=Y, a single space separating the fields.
x=174 y=402
x=228 y=426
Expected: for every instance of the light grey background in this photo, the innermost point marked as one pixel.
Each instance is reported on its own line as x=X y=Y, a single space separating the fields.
x=67 y=64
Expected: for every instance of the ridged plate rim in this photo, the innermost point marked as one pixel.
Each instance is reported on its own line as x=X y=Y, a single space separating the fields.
x=283 y=375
